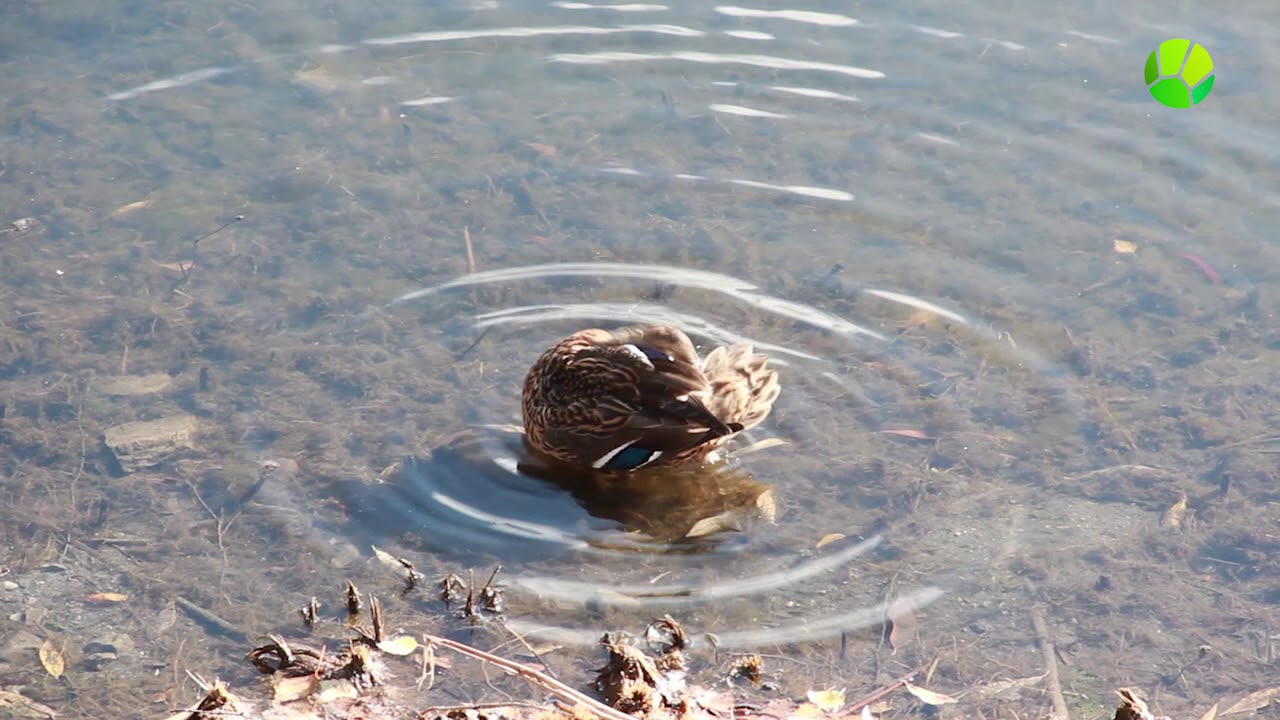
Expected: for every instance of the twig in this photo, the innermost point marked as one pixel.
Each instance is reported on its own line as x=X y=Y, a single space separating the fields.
x=208 y=619
x=446 y=709
x=532 y=652
x=471 y=255
x=1142 y=469
x=195 y=248
x=1050 y=665
x=541 y=679
x=428 y=674
x=868 y=699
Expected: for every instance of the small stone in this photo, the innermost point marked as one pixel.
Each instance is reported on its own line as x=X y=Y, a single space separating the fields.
x=10 y=585
x=98 y=653
x=145 y=443
x=35 y=615
x=134 y=384
x=22 y=225
x=95 y=661
x=279 y=469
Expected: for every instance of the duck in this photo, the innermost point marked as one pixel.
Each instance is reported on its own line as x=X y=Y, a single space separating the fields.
x=640 y=397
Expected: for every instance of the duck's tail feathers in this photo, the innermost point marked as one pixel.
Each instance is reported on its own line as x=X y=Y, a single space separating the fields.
x=742 y=387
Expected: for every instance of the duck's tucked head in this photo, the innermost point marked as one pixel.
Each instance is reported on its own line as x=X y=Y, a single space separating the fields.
x=640 y=396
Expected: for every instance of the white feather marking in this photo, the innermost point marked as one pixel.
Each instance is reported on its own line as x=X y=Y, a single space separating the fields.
x=614 y=453
x=652 y=457
x=638 y=353
x=604 y=460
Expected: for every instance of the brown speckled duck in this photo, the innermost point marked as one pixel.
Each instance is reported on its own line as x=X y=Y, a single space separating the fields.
x=640 y=397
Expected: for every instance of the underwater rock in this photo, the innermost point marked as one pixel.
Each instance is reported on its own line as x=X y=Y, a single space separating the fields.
x=144 y=443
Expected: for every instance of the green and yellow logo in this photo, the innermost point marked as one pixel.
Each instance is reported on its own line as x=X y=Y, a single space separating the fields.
x=1179 y=73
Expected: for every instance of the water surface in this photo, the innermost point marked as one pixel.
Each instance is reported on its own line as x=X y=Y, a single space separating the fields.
x=1018 y=309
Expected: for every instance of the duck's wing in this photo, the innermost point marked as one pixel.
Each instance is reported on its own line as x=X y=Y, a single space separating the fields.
x=648 y=403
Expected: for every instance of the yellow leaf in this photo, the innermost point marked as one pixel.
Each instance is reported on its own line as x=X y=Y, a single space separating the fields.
x=106 y=597
x=402 y=645
x=929 y=697
x=829 y=538
x=331 y=690
x=1124 y=247
x=295 y=688
x=1211 y=713
x=1253 y=701
x=51 y=658
x=827 y=700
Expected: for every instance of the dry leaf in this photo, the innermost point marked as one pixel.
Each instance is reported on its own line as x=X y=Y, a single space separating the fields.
x=826 y=700
x=51 y=658
x=776 y=707
x=336 y=690
x=1176 y=513
x=902 y=622
x=1124 y=247
x=829 y=538
x=929 y=697
x=1211 y=713
x=907 y=433
x=387 y=558
x=106 y=597
x=1253 y=701
x=179 y=267
x=767 y=504
x=712 y=703
x=543 y=149
x=999 y=687
x=126 y=209
x=1132 y=706
x=295 y=688
x=714 y=524
x=165 y=619
x=402 y=645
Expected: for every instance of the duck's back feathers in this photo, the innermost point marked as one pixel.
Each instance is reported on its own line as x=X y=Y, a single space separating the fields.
x=640 y=396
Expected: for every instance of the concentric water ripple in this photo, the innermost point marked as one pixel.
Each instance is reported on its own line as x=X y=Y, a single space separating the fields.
x=861 y=395
x=918 y=210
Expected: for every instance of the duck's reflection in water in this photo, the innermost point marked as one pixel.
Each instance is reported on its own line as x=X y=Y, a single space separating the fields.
x=484 y=492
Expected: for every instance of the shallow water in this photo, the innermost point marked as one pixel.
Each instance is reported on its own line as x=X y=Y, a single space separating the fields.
x=1017 y=308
